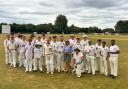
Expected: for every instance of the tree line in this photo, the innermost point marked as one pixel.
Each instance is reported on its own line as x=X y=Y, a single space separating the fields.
x=61 y=26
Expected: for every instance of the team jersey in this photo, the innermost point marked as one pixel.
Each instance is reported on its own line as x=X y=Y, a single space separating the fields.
x=29 y=50
x=48 y=49
x=54 y=45
x=91 y=50
x=77 y=45
x=72 y=41
x=104 y=51
x=98 y=50
x=38 y=49
x=84 y=43
x=11 y=45
x=78 y=57
x=22 y=46
x=86 y=49
x=18 y=40
x=114 y=48
x=60 y=46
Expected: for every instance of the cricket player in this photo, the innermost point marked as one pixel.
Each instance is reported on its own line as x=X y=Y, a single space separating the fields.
x=114 y=53
x=29 y=55
x=98 y=61
x=54 y=48
x=60 y=54
x=12 y=47
x=79 y=46
x=44 y=40
x=84 y=44
x=91 y=57
x=72 y=40
x=78 y=59
x=38 y=53
x=49 y=57
x=7 y=61
x=18 y=39
x=22 y=45
x=104 y=58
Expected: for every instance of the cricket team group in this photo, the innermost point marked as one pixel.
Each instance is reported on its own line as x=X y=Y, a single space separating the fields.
x=53 y=53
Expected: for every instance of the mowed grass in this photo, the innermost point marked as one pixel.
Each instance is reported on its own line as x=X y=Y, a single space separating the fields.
x=16 y=78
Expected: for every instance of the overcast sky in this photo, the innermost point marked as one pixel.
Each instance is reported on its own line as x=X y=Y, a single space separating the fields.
x=82 y=13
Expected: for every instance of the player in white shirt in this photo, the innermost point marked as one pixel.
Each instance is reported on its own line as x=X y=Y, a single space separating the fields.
x=77 y=44
x=12 y=51
x=7 y=61
x=72 y=40
x=54 y=48
x=29 y=55
x=44 y=40
x=90 y=51
x=22 y=45
x=114 y=53
x=49 y=57
x=84 y=44
x=78 y=59
x=60 y=54
x=98 y=47
x=104 y=58
x=38 y=53
x=18 y=39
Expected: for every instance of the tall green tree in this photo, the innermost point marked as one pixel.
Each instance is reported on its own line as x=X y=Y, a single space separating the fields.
x=122 y=26
x=61 y=24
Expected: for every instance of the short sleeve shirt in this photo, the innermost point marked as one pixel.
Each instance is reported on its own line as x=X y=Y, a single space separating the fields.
x=114 y=48
x=78 y=56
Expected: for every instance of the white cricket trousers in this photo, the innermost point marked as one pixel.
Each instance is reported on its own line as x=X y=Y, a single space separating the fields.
x=91 y=64
x=87 y=64
x=12 y=58
x=7 y=61
x=104 y=67
x=50 y=63
x=98 y=64
x=21 y=59
x=113 y=65
x=38 y=64
x=60 y=62
x=55 y=60
x=79 y=69
x=28 y=64
x=43 y=60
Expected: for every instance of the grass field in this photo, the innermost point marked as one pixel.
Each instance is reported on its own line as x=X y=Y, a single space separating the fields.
x=16 y=78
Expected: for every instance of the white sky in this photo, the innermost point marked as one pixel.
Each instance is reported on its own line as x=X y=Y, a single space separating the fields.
x=82 y=13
